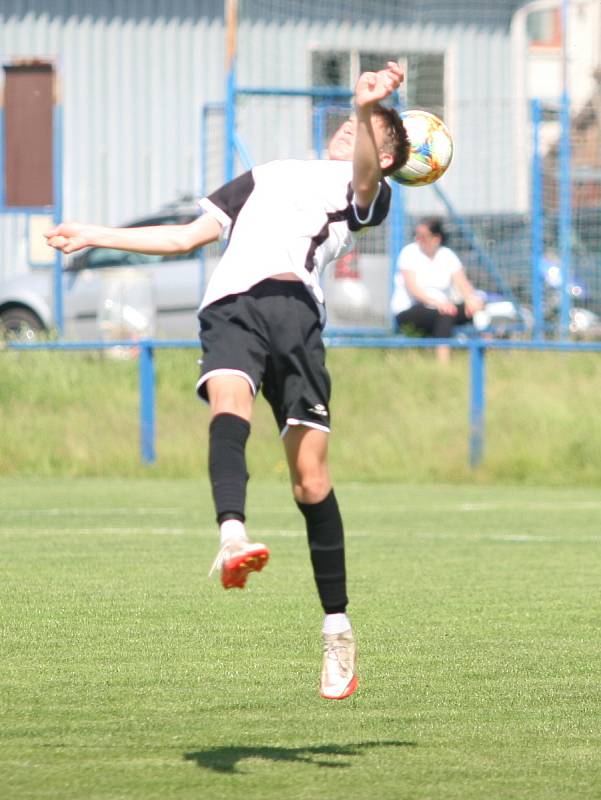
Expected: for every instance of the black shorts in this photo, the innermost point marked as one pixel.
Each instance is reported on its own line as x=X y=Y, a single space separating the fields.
x=271 y=336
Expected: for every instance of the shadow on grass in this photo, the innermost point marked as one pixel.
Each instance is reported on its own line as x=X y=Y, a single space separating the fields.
x=226 y=759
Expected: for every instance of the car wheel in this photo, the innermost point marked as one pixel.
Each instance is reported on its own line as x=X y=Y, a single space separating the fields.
x=20 y=324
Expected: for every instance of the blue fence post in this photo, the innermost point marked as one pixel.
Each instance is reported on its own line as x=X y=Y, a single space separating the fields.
x=231 y=22
x=230 y=123
x=2 y=170
x=477 y=364
x=319 y=129
x=57 y=191
x=147 y=402
x=536 y=223
x=565 y=179
x=565 y=215
x=397 y=239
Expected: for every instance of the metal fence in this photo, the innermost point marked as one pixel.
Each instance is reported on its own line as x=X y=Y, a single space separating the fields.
x=477 y=349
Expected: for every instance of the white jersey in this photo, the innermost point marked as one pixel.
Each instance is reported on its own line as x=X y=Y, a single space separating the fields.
x=287 y=216
x=433 y=275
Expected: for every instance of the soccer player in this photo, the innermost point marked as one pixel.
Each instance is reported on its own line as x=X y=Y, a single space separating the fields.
x=260 y=326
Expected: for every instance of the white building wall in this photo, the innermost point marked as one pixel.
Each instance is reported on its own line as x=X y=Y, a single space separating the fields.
x=478 y=110
x=538 y=73
x=132 y=84
x=134 y=79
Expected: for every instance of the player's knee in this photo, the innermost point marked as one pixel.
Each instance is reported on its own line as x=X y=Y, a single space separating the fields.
x=232 y=405
x=230 y=395
x=311 y=487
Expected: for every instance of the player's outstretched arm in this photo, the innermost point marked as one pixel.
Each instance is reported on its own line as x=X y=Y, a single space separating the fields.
x=371 y=88
x=153 y=239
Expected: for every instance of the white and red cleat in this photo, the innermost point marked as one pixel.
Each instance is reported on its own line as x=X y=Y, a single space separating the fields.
x=338 y=675
x=237 y=559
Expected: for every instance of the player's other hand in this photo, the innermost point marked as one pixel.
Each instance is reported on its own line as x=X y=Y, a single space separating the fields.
x=70 y=236
x=375 y=86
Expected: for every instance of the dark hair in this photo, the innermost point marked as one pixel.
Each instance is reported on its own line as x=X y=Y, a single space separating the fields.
x=435 y=226
x=396 y=142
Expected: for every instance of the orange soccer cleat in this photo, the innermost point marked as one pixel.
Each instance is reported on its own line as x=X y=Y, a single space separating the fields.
x=237 y=559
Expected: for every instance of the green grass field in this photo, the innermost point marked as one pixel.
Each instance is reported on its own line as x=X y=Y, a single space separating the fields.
x=127 y=674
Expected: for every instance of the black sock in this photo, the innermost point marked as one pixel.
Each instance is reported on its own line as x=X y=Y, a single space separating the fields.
x=326 y=543
x=227 y=465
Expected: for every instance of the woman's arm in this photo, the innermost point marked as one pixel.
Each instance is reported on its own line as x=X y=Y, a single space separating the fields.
x=422 y=296
x=152 y=240
x=473 y=302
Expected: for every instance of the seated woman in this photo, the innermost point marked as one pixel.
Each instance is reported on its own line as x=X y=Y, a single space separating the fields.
x=427 y=276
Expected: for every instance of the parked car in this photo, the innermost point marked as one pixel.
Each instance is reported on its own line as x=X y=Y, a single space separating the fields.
x=104 y=287
x=504 y=251
x=501 y=263
x=112 y=294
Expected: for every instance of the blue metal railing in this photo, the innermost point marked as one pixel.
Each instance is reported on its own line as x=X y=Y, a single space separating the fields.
x=477 y=389
x=537 y=217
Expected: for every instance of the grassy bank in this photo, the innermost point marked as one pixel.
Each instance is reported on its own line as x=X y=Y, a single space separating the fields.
x=397 y=415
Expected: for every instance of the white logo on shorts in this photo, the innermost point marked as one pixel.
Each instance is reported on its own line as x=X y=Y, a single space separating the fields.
x=318 y=409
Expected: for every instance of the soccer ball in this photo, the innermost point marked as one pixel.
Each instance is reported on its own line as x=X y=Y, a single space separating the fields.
x=431 y=149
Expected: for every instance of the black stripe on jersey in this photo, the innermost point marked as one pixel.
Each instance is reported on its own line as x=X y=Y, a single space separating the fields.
x=380 y=209
x=348 y=213
x=233 y=195
x=333 y=216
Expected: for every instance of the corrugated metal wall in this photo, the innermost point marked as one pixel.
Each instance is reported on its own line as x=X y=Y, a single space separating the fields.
x=478 y=105
x=133 y=80
x=134 y=76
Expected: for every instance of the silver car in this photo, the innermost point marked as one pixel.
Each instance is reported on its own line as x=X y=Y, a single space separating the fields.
x=115 y=295
x=111 y=293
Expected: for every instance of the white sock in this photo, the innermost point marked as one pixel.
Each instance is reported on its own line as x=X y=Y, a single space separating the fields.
x=232 y=529
x=336 y=623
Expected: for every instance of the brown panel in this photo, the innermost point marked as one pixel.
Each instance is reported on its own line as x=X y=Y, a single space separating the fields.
x=28 y=100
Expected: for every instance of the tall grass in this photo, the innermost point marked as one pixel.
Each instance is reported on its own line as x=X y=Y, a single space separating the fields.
x=397 y=415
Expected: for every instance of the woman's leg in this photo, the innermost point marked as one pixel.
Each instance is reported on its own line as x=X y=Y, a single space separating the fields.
x=443 y=329
x=418 y=318
x=429 y=322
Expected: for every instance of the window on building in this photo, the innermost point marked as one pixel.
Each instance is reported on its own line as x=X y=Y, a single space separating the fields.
x=329 y=68
x=543 y=28
x=424 y=86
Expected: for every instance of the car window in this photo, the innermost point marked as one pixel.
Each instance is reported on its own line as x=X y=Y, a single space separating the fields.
x=102 y=257
x=99 y=257
x=169 y=219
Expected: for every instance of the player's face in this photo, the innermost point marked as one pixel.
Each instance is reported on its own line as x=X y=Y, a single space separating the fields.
x=342 y=143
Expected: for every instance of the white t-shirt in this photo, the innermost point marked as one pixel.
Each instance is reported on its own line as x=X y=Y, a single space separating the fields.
x=434 y=275
x=287 y=216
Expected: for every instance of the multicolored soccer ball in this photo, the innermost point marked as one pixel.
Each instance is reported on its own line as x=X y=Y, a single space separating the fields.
x=431 y=149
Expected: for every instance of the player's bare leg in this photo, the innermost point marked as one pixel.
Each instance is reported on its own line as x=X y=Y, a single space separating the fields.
x=307 y=451
x=230 y=394
x=231 y=402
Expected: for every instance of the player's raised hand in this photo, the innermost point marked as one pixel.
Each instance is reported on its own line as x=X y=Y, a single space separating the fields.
x=70 y=236
x=375 y=86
